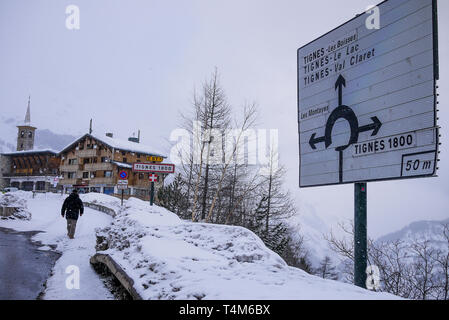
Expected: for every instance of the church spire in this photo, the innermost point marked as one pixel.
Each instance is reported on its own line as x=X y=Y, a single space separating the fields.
x=25 y=135
x=28 y=114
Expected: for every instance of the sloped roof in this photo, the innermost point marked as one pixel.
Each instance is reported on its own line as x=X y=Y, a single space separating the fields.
x=119 y=144
x=17 y=153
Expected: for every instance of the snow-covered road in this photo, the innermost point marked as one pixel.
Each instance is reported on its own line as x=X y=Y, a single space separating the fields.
x=45 y=209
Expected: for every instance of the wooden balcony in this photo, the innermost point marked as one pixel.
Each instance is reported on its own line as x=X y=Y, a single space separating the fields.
x=110 y=180
x=86 y=153
x=67 y=181
x=104 y=166
x=70 y=167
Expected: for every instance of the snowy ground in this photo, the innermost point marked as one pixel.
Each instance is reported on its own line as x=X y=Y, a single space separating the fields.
x=45 y=209
x=173 y=259
x=169 y=258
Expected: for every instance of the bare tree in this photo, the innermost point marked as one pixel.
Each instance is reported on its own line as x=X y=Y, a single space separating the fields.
x=424 y=264
x=391 y=259
x=326 y=270
x=416 y=269
x=249 y=118
x=277 y=203
x=442 y=260
x=345 y=245
x=213 y=112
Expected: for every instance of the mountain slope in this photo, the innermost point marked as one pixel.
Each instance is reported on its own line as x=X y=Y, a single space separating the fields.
x=45 y=138
x=419 y=230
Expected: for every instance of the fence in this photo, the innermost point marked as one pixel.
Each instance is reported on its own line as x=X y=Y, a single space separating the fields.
x=101 y=208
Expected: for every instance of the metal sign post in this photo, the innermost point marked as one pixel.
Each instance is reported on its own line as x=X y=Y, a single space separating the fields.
x=152 y=193
x=360 y=234
x=152 y=177
x=122 y=185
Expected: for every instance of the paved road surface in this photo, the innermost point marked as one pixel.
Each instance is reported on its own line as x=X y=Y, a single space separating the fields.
x=23 y=268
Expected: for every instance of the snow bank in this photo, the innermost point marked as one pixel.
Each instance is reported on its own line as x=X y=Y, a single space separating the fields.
x=173 y=259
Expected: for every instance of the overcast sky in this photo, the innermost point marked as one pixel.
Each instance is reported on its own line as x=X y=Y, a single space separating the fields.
x=134 y=65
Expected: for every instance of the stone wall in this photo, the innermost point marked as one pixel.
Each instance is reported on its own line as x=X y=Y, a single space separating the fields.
x=7 y=211
x=5 y=169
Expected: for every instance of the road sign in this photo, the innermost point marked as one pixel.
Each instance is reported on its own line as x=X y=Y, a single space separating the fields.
x=152 y=177
x=122 y=182
x=155 y=159
x=153 y=167
x=367 y=100
x=123 y=175
x=55 y=181
x=122 y=186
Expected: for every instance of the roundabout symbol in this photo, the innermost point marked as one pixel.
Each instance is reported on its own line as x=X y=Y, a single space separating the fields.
x=343 y=112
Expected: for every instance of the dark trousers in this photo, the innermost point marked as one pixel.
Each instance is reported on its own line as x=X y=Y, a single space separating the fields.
x=71 y=226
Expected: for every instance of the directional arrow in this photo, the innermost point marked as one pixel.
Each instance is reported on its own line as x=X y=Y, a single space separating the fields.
x=341 y=82
x=313 y=141
x=375 y=126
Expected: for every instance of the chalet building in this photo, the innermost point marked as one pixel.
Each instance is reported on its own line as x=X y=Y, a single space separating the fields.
x=27 y=168
x=92 y=163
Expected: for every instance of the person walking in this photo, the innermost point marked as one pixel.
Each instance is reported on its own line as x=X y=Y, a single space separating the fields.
x=72 y=207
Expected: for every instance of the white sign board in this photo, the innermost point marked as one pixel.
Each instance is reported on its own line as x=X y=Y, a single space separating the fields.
x=153 y=167
x=366 y=98
x=122 y=182
x=122 y=186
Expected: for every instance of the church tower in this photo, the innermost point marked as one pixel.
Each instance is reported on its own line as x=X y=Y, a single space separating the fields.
x=25 y=135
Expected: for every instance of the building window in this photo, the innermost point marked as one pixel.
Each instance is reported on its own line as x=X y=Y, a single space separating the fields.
x=85 y=175
x=30 y=134
x=94 y=160
x=141 y=176
x=93 y=174
x=22 y=134
x=72 y=161
x=104 y=159
x=86 y=160
x=138 y=155
x=71 y=175
x=108 y=174
x=125 y=160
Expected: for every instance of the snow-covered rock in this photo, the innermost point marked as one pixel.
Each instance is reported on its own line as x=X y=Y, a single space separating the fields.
x=19 y=204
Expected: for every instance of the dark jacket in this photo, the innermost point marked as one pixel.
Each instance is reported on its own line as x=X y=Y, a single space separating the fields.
x=72 y=207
